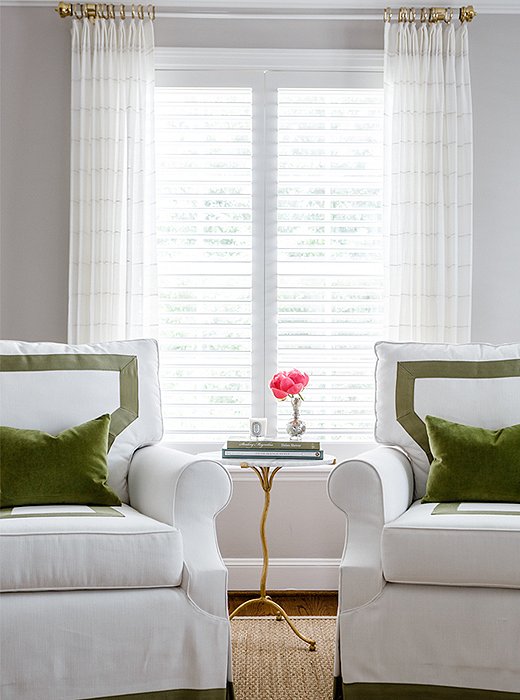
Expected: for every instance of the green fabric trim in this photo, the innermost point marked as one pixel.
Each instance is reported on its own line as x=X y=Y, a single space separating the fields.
x=412 y=691
x=181 y=694
x=452 y=509
x=408 y=372
x=126 y=365
x=98 y=512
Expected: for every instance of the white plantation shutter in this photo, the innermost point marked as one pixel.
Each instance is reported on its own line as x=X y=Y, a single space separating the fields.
x=270 y=249
x=330 y=252
x=204 y=173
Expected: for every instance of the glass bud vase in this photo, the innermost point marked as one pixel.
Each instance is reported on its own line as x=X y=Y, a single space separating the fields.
x=296 y=427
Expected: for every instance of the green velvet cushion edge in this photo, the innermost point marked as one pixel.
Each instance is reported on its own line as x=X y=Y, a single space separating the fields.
x=412 y=691
x=69 y=468
x=472 y=464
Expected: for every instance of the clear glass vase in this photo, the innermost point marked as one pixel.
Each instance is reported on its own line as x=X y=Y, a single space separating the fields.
x=296 y=427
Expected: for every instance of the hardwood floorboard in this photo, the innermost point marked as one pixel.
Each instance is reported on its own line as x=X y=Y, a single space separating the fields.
x=311 y=603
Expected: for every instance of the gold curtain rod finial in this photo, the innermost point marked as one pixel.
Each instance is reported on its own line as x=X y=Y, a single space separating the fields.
x=467 y=14
x=64 y=9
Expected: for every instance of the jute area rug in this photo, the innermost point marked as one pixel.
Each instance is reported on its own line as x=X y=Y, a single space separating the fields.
x=272 y=663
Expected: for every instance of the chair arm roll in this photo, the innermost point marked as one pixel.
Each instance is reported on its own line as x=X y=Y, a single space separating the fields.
x=181 y=490
x=371 y=489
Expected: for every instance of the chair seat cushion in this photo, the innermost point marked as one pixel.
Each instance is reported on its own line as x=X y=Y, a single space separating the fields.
x=86 y=547
x=454 y=544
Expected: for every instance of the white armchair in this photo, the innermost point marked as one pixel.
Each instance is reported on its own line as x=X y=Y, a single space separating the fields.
x=429 y=599
x=113 y=602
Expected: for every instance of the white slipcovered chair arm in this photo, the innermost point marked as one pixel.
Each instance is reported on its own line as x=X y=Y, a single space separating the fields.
x=181 y=490
x=371 y=489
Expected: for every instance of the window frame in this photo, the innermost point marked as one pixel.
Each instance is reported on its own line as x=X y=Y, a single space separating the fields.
x=280 y=68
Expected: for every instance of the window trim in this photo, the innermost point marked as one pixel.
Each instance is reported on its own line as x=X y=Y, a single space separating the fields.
x=173 y=58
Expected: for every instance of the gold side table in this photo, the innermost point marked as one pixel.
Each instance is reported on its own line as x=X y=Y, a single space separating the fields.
x=266 y=476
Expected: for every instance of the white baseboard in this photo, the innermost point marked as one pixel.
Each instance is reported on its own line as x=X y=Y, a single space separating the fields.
x=284 y=574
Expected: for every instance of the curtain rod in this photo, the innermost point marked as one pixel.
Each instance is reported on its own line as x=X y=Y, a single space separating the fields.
x=93 y=11
x=430 y=14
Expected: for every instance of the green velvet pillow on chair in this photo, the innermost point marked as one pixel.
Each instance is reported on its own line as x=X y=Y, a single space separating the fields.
x=472 y=464
x=69 y=468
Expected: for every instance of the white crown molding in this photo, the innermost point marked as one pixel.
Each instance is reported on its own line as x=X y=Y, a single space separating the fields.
x=284 y=574
x=168 y=58
x=281 y=6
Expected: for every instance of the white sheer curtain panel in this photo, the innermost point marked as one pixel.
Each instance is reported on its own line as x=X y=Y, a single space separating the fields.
x=428 y=181
x=113 y=269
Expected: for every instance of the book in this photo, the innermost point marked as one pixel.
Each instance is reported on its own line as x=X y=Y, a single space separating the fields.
x=284 y=445
x=271 y=454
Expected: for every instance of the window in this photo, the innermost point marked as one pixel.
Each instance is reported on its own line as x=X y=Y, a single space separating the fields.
x=269 y=215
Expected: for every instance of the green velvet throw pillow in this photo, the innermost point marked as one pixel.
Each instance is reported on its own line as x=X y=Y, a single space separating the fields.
x=472 y=464
x=70 y=468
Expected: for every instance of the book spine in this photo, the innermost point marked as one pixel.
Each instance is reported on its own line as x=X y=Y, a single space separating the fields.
x=269 y=445
x=272 y=454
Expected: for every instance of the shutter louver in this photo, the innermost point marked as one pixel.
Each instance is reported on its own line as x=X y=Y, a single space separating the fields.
x=204 y=211
x=330 y=253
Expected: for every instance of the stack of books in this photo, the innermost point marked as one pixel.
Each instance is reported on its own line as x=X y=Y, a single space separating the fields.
x=271 y=449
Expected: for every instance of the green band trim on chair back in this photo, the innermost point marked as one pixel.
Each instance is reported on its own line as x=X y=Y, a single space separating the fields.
x=126 y=365
x=408 y=372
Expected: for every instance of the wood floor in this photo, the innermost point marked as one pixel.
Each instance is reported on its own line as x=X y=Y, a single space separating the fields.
x=313 y=603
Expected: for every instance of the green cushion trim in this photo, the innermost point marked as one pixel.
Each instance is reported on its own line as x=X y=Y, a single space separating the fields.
x=181 y=694
x=126 y=365
x=97 y=512
x=473 y=464
x=453 y=509
x=408 y=372
x=69 y=468
x=405 y=691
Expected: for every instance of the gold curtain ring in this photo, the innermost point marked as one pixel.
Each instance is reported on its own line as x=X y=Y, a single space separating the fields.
x=403 y=14
x=111 y=12
x=449 y=15
x=411 y=14
x=140 y=11
x=424 y=14
x=151 y=11
x=133 y=11
x=122 y=12
x=387 y=14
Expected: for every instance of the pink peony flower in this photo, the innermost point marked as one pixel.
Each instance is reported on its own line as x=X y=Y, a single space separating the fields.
x=285 y=384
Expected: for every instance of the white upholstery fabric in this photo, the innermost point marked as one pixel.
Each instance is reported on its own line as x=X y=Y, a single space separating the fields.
x=54 y=551
x=372 y=489
x=465 y=400
x=71 y=645
x=394 y=626
x=53 y=401
x=434 y=635
x=181 y=490
x=463 y=549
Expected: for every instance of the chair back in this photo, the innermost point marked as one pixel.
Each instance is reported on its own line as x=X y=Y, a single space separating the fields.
x=473 y=384
x=52 y=387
